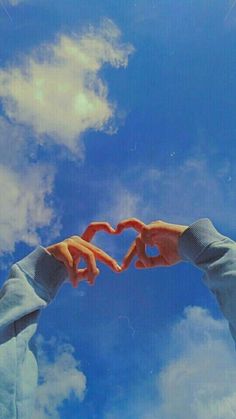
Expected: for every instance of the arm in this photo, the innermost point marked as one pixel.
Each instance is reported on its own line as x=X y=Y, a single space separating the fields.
x=32 y=284
x=200 y=244
x=215 y=254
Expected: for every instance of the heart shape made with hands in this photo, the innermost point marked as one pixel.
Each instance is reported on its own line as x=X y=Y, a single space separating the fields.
x=95 y=227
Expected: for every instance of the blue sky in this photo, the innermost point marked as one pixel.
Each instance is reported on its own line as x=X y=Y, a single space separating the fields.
x=109 y=110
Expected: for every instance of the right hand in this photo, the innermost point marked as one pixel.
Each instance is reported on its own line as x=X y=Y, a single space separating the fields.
x=158 y=233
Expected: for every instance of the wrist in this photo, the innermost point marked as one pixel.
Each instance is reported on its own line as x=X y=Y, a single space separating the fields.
x=196 y=238
x=182 y=229
x=48 y=250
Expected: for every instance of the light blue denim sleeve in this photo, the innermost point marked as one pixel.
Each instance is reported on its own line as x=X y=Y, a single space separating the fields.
x=32 y=284
x=215 y=254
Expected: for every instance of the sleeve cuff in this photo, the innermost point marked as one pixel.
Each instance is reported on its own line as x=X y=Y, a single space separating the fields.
x=45 y=273
x=196 y=238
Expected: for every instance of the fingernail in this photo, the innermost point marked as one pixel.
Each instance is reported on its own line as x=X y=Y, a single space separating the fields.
x=70 y=263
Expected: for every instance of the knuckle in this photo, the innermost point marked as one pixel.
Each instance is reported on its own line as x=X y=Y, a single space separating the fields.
x=96 y=224
x=146 y=229
x=90 y=225
x=72 y=239
x=93 y=272
x=155 y=223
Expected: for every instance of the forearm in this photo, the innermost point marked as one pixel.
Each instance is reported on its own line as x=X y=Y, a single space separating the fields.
x=32 y=284
x=215 y=254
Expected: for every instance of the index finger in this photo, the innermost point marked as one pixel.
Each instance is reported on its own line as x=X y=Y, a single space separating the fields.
x=94 y=227
x=102 y=256
x=130 y=223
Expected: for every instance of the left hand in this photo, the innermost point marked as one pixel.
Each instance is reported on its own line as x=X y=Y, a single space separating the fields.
x=70 y=250
x=164 y=236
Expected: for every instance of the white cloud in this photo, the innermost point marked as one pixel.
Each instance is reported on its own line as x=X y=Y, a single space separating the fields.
x=23 y=207
x=59 y=378
x=181 y=192
x=194 y=189
x=198 y=378
x=57 y=89
x=15 y=148
x=25 y=190
x=120 y=203
x=200 y=382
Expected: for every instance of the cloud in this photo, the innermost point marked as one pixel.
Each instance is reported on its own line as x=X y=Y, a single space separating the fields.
x=26 y=189
x=198 y=377
x=24 y=208
x=57 y=90
x=15 y=146
x=200 y=383
x=59 y=378
x=181 y=192
x=193 y=189
x=120 y=203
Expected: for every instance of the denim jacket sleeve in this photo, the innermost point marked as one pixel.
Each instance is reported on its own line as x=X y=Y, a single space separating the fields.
x=31 y=286
x=215 y=254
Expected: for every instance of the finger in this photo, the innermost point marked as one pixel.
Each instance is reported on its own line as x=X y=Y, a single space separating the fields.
x=81 y=274
x=154 y=262
x=129 y=256
x=61 y=253
x=72 y=275
x=141 y=252
x=94 y=227
x=152 y=229
x=89 y=258
x=78 y=250
x=74 y=272
x=102 y=256
x=130 y=223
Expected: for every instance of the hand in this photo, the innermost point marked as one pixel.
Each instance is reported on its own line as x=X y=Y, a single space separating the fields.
x=70 y=251
x=159 y=233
